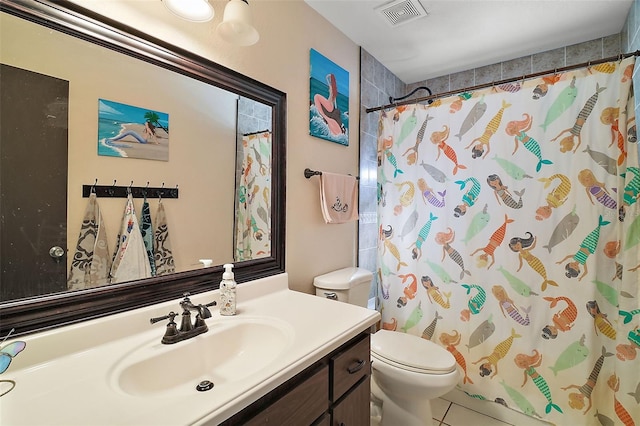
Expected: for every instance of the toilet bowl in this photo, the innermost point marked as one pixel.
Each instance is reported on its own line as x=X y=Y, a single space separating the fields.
x=407 y=371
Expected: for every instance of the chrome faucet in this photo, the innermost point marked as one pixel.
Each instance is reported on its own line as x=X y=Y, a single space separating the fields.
x=187 y=329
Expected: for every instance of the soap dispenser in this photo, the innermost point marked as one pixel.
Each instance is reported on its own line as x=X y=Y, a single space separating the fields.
x=227 y=291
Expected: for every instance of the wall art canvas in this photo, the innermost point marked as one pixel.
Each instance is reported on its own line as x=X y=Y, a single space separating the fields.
x=132 y=132
x=328 y=100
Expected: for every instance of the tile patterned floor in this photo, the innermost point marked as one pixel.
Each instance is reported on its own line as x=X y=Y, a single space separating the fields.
x=447 y=413
x=457 y=409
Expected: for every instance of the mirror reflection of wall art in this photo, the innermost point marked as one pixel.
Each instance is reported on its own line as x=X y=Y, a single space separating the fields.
x=130 y=131
x=328 y=100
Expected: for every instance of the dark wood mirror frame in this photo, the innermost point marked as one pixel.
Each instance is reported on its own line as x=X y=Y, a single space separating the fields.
x=54 y=310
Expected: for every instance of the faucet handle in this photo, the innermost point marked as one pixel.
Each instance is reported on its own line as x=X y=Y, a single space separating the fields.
x=214 y=303
x=171 y=333
x=170 y=316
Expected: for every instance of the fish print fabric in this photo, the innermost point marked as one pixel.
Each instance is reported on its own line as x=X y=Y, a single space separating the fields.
x=253 y=198
x=509 y=233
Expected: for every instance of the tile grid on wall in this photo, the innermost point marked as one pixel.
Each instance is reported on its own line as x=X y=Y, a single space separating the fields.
x=377 y=83
x=557 y=58
x=631 y=41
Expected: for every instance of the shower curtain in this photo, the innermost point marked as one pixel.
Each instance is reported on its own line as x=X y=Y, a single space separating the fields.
x=253 y=198
x=509 y=231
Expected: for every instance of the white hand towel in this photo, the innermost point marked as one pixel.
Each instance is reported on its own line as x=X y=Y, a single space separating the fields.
x=131 y=261
x=338 y=197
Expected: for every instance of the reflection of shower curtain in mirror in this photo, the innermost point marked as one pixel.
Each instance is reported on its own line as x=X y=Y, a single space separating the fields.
x=509 y=234
x=253 y=198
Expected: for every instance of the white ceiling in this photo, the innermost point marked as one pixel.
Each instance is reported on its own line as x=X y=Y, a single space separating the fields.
x=458 y=35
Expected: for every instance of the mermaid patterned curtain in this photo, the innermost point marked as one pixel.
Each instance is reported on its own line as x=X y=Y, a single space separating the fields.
x=253 y=198
x=509 y=231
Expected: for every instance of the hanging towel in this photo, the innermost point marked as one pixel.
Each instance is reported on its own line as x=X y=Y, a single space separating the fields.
x=162 y=244
x=91 y=262
x=338 y=197
x=146 y=229
x=130 y=261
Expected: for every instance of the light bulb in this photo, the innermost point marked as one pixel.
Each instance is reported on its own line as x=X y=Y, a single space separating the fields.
x=191 y=10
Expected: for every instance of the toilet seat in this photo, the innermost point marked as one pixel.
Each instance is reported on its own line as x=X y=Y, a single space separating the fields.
x=411 y=353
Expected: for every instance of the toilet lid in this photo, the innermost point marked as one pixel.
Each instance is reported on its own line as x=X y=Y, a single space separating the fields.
x=412 y=351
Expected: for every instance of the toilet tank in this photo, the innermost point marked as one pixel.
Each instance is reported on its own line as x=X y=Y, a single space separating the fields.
x=350 y=285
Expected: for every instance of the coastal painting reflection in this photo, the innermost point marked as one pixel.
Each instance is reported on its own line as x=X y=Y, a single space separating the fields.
x=132 y=132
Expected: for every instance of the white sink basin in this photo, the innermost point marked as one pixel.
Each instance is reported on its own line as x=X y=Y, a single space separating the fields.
x=232 y=349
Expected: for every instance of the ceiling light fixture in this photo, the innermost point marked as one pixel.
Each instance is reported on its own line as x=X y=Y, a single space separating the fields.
x=236 y=27
x=191 y=10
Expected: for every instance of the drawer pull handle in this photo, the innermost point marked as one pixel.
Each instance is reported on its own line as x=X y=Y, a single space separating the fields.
x=356 y=366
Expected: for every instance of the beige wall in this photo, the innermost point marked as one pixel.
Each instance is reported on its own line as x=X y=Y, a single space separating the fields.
x=288 y=29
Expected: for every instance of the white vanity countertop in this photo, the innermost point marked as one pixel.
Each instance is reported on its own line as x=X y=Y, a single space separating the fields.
x=65 y=376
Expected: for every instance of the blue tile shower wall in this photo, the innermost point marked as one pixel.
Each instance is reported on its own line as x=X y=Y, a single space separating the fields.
x=377 y=83
x=630 y=36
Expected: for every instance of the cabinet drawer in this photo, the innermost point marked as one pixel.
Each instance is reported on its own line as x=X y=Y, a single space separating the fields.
x=350 y=366
x=353 y=410
x=304 y=404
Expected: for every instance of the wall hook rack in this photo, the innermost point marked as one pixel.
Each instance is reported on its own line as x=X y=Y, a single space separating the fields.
x=114 y=191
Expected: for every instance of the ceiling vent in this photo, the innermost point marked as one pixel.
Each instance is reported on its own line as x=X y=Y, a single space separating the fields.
x=399 y=12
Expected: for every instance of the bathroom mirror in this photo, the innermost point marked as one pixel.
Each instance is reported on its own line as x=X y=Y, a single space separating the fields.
x=224 y=88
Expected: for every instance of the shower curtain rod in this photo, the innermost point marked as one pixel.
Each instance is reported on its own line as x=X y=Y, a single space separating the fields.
x=256 y=133
x=505 y=81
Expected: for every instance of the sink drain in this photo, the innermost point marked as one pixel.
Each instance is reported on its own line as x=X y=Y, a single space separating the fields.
x=204 y=386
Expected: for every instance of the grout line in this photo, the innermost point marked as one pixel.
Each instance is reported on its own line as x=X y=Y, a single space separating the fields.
x=446 y=412
x=479 y=413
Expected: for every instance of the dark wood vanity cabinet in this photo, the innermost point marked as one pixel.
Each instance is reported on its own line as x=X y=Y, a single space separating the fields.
x=351 y=386
x=354 y=408
x=334 y=391
x=301 y=405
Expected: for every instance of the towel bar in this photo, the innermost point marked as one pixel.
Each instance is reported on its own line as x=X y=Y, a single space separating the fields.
x=308 y=173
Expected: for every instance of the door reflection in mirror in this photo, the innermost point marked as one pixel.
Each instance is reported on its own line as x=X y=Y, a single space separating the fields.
x=33 y=179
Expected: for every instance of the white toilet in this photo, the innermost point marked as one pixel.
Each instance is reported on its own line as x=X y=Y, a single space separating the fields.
x=408 y=371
